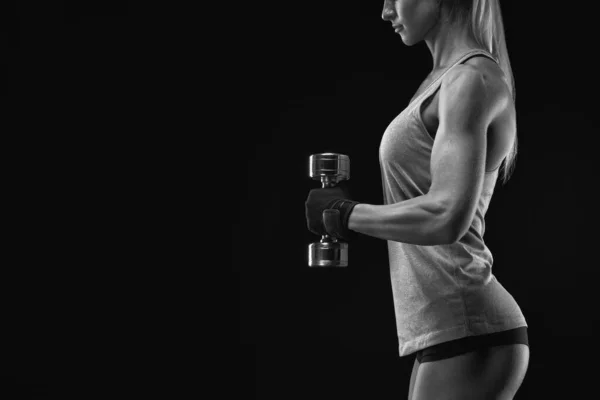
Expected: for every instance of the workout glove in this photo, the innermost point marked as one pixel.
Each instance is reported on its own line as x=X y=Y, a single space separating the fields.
x=338 y=204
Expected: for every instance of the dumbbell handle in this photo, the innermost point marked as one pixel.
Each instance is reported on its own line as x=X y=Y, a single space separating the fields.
x=328 y=181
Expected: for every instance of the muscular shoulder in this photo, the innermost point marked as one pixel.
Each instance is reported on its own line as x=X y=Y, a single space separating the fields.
x=476 y=87
x=490 y=70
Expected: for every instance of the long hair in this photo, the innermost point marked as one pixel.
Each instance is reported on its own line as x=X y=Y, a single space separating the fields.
x=484 y=19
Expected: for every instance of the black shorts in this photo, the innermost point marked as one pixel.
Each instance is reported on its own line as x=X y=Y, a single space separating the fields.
x=470 y=343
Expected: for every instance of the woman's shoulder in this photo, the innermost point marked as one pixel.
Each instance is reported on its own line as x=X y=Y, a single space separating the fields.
x=491 y=72
x=482 y=69
x=477 y=85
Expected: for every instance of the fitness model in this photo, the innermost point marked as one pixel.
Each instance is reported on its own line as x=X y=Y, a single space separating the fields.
x=440 y=159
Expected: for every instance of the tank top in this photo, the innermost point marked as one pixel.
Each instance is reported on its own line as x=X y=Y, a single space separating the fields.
x=441 y=292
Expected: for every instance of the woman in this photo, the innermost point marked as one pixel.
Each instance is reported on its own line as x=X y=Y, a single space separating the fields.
x=440 y=159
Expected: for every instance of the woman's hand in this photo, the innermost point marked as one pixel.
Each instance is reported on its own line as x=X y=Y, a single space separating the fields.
x=335 y=222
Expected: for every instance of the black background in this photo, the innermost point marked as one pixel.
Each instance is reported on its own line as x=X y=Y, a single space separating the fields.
x=117 y=104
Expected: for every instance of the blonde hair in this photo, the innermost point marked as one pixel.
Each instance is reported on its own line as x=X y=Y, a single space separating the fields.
x=484 y=19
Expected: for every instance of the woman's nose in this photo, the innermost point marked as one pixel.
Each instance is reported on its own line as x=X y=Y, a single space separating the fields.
x=388 y=12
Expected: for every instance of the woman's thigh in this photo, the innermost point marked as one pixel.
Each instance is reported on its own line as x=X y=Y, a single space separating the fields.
x=413 y=378
x=491 y=373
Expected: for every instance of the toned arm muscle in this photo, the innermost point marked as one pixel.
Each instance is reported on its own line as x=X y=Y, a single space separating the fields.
x=467 y=105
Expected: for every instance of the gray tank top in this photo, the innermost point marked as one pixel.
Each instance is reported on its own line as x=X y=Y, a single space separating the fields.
x=441 y=292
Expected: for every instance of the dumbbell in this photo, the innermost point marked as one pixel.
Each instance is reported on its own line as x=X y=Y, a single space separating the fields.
x=330 y=169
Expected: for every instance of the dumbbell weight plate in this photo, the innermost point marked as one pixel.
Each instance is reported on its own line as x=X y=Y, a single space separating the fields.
x=329 y=168
x=328 y=254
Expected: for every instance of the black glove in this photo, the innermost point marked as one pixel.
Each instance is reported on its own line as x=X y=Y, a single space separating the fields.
x=334 y=222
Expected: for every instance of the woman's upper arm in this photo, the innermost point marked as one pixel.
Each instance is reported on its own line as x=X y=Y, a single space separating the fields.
x=467 y=105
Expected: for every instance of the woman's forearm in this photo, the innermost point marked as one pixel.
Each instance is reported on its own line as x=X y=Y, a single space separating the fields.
x=421 y=221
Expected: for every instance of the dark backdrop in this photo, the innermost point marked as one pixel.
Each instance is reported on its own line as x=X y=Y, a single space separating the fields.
x=116 y=104
x=329 y=77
